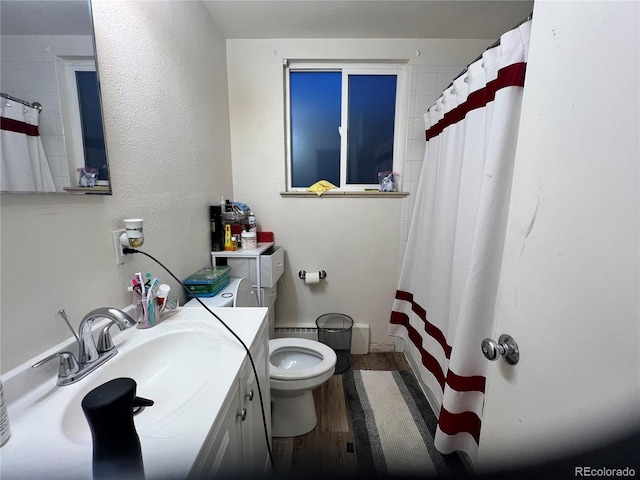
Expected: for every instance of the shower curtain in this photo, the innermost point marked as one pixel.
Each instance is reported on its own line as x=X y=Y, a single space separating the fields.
x=444 y=304
x=24 y=164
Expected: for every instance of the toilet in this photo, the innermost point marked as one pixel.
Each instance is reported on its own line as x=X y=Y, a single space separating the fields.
x=296 y=366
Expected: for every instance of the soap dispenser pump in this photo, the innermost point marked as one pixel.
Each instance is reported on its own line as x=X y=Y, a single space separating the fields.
x=116 y=445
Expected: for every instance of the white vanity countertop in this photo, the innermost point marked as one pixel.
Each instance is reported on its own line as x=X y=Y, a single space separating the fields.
x=46 y=443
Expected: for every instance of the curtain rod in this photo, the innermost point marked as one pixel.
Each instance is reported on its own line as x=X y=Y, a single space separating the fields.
x=493 y=45
x=35 y=105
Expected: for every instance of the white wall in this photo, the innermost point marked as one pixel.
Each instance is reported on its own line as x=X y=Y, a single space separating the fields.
x=164 y=87
x=357 y=241
x=570 y=282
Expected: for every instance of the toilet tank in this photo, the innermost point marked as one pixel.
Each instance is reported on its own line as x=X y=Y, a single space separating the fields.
x=238 y=293
x=245 y=296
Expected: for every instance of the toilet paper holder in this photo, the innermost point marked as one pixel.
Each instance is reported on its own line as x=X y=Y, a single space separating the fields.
x=302 y=274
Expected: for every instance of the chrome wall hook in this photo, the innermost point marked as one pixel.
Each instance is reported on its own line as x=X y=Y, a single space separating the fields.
x=505 y=347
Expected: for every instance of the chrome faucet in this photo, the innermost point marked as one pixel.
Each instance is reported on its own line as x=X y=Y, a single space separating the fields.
x=90 y=356
x=88 y=352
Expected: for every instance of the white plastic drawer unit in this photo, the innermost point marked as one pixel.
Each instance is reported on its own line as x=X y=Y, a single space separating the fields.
x=271 y=267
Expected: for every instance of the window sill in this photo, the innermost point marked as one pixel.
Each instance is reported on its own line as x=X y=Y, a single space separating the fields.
x=98 y=189
x=372 y=194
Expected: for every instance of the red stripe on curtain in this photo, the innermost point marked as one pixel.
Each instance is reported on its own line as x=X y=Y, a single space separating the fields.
x=431 y=329
x=428 y=360
x=456 y=382
x=19 y=127
x=465 y=422
x=510 y=76
x=466 y=384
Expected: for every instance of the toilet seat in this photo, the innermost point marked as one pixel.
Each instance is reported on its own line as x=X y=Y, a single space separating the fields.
x=310 y=347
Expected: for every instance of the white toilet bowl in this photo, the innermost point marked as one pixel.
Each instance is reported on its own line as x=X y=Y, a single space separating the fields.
x=296 y=367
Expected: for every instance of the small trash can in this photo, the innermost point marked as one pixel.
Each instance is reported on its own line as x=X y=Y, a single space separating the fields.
x=334 y=330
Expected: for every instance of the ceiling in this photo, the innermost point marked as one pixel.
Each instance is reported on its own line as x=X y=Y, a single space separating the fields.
x=45 y=17
x=481 y=19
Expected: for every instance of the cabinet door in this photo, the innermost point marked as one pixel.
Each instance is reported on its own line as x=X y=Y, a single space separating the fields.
x=254 y=447
x=222 y=455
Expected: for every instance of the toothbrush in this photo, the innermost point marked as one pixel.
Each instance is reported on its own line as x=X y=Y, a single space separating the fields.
x=150 y=296
x=152 y=285
x=135 y=287
x=143 y=299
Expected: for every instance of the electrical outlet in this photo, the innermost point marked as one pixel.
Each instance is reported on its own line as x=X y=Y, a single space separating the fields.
x=117 y=247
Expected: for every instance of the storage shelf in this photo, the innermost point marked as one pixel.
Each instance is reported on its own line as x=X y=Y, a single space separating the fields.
x=244 y=252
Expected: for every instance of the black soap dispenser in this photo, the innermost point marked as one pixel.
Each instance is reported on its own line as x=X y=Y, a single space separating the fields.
x=116 y=446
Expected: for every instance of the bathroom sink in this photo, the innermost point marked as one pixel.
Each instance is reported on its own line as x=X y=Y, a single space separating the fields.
x=187 y=364
x=171 y=369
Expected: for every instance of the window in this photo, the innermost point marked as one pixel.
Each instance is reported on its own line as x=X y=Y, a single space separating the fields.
x=343 y=124
x=82 y=114
x=95 y=154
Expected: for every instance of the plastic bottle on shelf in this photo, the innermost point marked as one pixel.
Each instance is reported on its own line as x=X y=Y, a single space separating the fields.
x=253 y=225
x=228 y=243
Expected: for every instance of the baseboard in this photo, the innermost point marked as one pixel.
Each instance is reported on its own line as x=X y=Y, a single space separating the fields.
x=309 y=333
x=382 y=347
x=359 y=335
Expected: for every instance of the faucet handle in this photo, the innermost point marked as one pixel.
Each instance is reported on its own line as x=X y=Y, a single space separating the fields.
x=68 y=364
x=105 y=342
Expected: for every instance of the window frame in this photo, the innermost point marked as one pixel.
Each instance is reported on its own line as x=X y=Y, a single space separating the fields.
x=347 y=68
x=70 y=107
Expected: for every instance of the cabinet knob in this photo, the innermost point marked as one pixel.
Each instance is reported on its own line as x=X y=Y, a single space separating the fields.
x=249 y=395
x=243 y=414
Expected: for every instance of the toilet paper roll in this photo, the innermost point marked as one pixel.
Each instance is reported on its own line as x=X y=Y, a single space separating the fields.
x=312 y=278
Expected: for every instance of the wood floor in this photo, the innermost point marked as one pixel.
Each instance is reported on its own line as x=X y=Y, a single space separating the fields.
x=324 y=451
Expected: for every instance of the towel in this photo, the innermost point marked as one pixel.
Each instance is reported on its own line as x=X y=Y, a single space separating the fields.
x=320 y=187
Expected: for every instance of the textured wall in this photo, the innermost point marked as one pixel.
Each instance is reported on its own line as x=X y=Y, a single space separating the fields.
x=163 y=76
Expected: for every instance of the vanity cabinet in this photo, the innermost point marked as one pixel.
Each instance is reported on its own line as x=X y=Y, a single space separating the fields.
x=254 y=447
x=200 y=379
x=236 y=445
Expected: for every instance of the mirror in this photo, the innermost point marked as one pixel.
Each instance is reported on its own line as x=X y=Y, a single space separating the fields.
x=48 y=57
